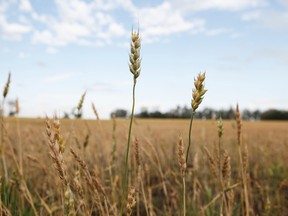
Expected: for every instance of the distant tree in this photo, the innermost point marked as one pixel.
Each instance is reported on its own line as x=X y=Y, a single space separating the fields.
x=66 y=115
x=207 y=113
x=76 y=113
x=256 y=115
x=157 y=114
x=246 y=114
x=274 y=114
x=186 y=112
x=143 y=114
x=119 y=113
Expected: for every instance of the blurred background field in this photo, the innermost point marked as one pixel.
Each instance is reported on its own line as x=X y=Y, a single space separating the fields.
x=94 y=141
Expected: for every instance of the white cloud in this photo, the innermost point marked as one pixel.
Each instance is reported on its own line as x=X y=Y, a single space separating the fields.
x=116 y=29
x=254 y=15
x=77 y=22
x=93 y=23
x=25 y=5
x=272 y=19
x=42 y=18
x=105 y=5
x=44 y=37
x=12 y=31
x=275 y=20
x=200 y=5
x=163 y=20
x=51 y=50
x=4 y=5
x=75 y=11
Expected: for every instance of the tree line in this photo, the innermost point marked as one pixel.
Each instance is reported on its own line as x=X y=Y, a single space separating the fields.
x=206 y=113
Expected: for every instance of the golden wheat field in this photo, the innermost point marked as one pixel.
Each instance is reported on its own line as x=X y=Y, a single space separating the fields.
x=87 y=180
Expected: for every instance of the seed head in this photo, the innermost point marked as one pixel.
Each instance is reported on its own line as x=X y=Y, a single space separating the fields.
x=57 y=135
x=80 y=103
x=220 y=128
x=134 y=57
x=6 y=88
x=95 y=111
x=212 y=162
x=136 y=153
x=131 y=200
x=226 y=169
x=181 y=157
x=238 y=121
x=199 y=91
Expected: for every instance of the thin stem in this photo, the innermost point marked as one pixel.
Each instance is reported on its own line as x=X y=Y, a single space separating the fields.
x=187 y=153
x=125 y=178
x=2 y=146
x=190 y=132
x=20 y=147
x=220 y=173
x=219 y=195
x=221 y=183
x=184 y=195
x=244 y=182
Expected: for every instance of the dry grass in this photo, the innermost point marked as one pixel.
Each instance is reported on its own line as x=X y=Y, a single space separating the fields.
x=94 y=179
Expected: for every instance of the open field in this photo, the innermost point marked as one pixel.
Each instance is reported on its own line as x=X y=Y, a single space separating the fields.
x=32 y=185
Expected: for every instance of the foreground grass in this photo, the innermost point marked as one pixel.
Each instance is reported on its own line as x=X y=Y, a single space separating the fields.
x=94 y=173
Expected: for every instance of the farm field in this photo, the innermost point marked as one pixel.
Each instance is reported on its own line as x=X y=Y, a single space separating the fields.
x=32 y=184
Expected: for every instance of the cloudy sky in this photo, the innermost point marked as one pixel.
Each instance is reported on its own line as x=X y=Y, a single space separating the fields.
x=57 y=49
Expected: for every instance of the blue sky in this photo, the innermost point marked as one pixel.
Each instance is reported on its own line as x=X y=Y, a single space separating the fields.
x=57 y=49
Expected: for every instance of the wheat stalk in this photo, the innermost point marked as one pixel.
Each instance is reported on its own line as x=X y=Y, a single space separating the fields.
x=92 y=182
x=135 y=68
x=2 y=123
x=182 y=166
x=242 y=170
x=197 y=97
x=212 y=162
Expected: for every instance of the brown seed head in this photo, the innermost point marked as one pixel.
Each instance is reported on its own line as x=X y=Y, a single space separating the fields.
x=131 y=200
x=137 y=156
x=199 y=91
x=95 y=111
x=238 y=122
x=226 y=169
x=57 y=135
x=6 y=88
x=134 y=57
x=220 y=128
x=245 y=157
x=212 y=162
x=181 y=157
x=80 y=103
